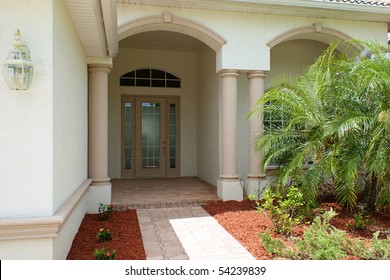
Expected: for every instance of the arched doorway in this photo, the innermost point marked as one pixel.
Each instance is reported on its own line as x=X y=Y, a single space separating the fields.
x=164 y=70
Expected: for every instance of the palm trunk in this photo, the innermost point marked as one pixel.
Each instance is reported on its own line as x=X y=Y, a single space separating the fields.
x=370 y=193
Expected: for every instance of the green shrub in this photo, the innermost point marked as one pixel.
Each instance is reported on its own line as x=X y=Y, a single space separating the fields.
x=379 y=249
x=322 y=241
x=284 y=210
x=275 y=246
x=105 y=210
x=360 y=222
x=104 y=254
x=104 y=235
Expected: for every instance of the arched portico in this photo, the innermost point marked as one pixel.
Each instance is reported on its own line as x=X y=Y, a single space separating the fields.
x=168 y=22
x=147 y=43
x=316 y=32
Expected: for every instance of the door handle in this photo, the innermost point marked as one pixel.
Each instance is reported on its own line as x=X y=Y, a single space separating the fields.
x=163 y=147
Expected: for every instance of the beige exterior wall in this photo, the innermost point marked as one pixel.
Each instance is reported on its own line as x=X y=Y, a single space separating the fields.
x=181 y=64
x=291 y=57
x=207 y=116
x=247 y=34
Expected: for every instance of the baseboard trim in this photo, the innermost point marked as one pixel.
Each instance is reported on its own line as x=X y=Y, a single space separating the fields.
x=42 y=227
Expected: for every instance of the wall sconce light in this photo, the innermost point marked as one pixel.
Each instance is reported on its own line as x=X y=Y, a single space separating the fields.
x=18 y=68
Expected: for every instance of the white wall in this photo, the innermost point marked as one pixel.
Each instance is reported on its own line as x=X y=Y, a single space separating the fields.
x=43 y=139
x=70 y=124
x=181 y=64
x=247 y=34
x=26 y=117
x=70 y=108
x=207 y=116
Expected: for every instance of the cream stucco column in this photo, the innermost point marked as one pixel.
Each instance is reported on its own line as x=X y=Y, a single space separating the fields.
x=100 y=190
x=229 y=187
x=256 y=175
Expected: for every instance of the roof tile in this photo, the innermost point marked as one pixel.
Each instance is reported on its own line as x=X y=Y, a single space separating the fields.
x=384 y=3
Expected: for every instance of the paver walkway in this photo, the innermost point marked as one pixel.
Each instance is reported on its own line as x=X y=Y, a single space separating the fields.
x=187 y=233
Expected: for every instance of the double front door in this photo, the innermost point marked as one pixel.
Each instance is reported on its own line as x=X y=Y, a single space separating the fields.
x=150 y=137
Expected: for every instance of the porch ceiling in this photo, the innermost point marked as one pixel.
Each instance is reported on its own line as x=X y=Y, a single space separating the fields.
x=95 y=22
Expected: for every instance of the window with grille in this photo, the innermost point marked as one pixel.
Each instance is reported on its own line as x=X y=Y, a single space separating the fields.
x=150 y=78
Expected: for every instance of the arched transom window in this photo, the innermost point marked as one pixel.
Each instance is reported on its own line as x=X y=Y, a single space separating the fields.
x=147 y=77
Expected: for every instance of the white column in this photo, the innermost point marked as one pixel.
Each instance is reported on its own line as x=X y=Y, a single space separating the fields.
x=100 y=190
x=229 y=187
x=256 y=173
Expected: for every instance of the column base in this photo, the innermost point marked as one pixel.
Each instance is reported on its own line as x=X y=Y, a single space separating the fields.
x=229 y=190
x=256 y=186
x=100 y=193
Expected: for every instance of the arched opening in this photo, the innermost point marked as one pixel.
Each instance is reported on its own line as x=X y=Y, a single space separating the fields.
x=297 y=49
x=157 y=131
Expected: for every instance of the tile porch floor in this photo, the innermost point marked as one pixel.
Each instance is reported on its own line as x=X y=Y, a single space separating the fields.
x=161 y=192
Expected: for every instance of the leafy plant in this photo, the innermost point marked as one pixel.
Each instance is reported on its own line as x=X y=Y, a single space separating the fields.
x=104 y=254
x=338 y=120
x=378 y=249
x=105 y=210
x=360 y=221
x=104 y=235
x=322 y=241
x=284 y=210
x=275 y=246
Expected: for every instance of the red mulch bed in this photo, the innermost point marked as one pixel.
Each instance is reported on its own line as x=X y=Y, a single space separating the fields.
x=126 y=237
x=239 y=218
x=242 y=221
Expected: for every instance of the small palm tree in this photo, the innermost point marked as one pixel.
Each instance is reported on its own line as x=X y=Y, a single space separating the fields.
x=337 y=127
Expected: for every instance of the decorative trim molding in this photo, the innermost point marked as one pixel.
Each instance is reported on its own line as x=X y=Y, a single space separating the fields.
x=168 y=22
x=42 y=227
x=315 y=28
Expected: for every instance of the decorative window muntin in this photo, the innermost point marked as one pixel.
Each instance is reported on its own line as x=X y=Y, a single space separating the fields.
x=147 y=77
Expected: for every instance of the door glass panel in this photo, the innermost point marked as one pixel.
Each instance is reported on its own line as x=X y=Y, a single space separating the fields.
x=172 y=136
x=150 y=128
x=128 y=111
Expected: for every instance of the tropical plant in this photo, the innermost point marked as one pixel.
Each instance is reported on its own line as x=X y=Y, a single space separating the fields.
x=337 y=127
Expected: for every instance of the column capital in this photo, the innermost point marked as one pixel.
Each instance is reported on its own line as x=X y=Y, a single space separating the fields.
x=229 y=73
x=105 y=68
x=256 y=74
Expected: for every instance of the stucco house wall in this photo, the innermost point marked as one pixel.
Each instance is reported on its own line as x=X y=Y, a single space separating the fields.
x=70 y=125
x=26 y=118
x=43 y=130
x=208 y=131
x=247 y=34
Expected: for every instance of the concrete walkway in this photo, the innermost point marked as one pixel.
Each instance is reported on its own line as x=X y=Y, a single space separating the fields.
x=187 y=233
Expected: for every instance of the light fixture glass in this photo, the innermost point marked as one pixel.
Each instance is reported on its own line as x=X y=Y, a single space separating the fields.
x=18 y=68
